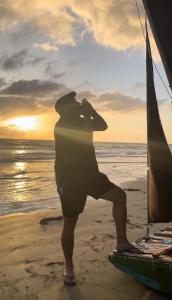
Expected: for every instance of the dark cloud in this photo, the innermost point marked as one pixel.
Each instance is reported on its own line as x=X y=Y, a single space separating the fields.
x=49 y=70
x=25 y=97
x=33 y=87
x=11 y=105
x=15 y=61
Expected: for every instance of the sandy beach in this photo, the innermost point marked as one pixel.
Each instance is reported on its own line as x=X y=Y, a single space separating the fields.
x=31 y=259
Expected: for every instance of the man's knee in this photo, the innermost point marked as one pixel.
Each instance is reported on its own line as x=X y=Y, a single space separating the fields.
x=116 y=194
x=70 y=222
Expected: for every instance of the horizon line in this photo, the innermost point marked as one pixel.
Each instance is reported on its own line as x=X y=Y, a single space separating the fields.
x=51 y=140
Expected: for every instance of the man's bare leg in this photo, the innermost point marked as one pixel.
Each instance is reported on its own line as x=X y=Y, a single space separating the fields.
x=67 y=240
x=119 y=211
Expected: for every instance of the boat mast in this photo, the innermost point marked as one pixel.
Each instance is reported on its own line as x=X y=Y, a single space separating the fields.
x=148 y=234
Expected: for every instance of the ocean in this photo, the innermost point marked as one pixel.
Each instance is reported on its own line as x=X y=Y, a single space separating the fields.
x=27 y=179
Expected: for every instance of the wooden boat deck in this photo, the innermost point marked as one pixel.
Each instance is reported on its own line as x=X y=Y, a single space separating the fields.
x=159 y=247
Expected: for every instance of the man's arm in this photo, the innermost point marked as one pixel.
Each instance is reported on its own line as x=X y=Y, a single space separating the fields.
x=98 y=122
x=95 y=124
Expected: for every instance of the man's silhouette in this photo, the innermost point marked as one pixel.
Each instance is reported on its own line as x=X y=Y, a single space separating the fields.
x=77 y=174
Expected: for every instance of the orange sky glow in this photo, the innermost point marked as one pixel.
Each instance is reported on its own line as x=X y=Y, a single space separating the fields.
x=49 y=48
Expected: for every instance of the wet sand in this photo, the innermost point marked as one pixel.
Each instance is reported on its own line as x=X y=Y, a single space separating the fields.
x=31 y=259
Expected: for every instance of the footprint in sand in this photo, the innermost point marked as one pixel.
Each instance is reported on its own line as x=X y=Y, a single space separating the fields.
x=95 y=248
x=8 y=288
x=111 y=236
x=93 y=260
x=31 y=271
x=17 y=248
x=50 y=220
x=51 y=263
x=29 y=261
x=94 y=236
x=47 y=278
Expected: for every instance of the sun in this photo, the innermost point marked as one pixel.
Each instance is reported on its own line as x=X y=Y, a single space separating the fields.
x=23 y=123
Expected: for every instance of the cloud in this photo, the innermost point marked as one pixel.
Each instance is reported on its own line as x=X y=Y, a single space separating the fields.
x=41 y=18
x=114 y=102
x=49 y=70
x=34 y=87
x=8 y=132
x=119 y=103
x=59 y=75
x=15 y=61
x=46 y=47
x=8 y=17
x=139 y=85
x=12 y=106
x=2 y=82
x=25 y=97
x=37 y=60
x=112 y=23
x=84 y=85
x=78 y=61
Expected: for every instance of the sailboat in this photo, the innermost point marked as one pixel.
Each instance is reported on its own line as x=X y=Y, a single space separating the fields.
x=153 y=268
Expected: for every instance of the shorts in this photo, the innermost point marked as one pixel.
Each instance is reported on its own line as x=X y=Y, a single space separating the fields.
x=73 y=198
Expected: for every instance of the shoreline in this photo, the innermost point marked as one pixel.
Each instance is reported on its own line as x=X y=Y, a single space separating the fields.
x=31 y=259
x=55 y=201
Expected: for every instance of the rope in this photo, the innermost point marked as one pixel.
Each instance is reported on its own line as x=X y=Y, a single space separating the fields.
x=139 y=16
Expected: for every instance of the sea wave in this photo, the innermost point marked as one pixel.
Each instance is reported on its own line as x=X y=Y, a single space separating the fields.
x=27 y=178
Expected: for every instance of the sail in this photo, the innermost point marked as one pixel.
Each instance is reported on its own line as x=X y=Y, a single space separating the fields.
x=159 y=13
x=159 y=155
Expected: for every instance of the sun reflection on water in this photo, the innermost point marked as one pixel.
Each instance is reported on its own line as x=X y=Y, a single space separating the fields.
x=20 y=165
x=20 y=183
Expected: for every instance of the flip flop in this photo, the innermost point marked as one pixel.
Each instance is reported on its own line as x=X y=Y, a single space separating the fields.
x=131 y=249
x=69 y=279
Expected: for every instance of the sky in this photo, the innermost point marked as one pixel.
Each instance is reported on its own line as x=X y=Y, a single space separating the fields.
x=94 y=47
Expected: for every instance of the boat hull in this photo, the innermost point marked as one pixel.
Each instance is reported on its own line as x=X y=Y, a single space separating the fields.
x=151 y=272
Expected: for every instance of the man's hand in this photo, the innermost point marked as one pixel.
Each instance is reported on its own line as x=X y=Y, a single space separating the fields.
x=86 y=108
x=95 y=124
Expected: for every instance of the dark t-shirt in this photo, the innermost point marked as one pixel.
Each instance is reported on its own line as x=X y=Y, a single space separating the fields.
x=75 y=161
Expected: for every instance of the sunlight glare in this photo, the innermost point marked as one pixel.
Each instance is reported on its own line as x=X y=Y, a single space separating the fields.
x=23 y=123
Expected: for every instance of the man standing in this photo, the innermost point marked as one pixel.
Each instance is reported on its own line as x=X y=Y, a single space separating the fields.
x=77 y=174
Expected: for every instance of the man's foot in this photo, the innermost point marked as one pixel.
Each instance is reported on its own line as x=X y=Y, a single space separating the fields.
x=69 y=277
x=132 y=249
x=128 y=248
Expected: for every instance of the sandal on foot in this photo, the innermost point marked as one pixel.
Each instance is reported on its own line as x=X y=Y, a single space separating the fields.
x=69 y=279
x=131 y=249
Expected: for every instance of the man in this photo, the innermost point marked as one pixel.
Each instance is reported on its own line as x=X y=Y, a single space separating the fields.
x=77 y=174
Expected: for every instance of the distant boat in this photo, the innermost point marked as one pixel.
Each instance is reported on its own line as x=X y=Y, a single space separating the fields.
x=154 y=267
